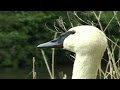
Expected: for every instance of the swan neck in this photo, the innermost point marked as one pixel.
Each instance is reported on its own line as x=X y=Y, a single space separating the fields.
x=85 y=66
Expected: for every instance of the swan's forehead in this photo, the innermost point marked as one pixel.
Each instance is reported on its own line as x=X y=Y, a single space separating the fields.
x=84 y=32
x=84 y=37
x=85 y=28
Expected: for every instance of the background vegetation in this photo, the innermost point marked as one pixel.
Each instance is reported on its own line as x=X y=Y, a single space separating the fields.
x=22 y=31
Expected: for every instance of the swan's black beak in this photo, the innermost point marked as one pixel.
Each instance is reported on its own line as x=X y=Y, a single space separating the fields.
x=56 y=43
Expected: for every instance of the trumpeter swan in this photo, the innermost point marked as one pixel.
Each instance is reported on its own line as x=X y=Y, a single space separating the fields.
x=89 y=43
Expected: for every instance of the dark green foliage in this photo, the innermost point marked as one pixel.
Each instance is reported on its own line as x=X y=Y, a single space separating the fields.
x=22 y=31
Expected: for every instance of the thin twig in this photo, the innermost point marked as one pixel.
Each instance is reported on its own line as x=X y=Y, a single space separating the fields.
x=98 y=19
x=109 y=22
x=69 y=19
x=34 y=73
x=113 y=42
x=53 y=58
x=44 y=57
x=51 y=29
x=80 y=18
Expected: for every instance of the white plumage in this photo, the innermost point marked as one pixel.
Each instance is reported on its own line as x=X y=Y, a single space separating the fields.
x=89 y=43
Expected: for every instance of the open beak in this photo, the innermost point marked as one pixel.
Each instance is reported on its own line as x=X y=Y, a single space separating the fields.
x=56 y=43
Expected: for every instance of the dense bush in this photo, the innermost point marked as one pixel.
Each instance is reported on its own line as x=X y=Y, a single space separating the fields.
x=22 y=31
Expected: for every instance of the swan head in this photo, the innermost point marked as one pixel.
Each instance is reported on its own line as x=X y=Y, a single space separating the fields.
x=88 y=42
x=84 y=39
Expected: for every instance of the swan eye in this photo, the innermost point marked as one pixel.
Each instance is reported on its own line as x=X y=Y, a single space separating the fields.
x=73 y=32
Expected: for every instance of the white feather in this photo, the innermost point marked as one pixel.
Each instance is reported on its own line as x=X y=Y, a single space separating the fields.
x=89 y=43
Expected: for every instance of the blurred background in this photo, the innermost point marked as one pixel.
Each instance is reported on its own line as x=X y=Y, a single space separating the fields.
x=22 y=31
